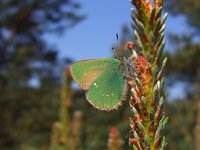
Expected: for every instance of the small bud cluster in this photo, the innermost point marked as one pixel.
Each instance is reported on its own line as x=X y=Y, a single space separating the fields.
x=114 y=141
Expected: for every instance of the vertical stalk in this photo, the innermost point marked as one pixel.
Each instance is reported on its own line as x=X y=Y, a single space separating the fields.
x=61 y=129
x=147 y=94
x=75 y=130
x=197 y=132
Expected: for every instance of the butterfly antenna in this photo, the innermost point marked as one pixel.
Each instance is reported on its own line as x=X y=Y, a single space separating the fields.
x=117 y=51
x=117 y=37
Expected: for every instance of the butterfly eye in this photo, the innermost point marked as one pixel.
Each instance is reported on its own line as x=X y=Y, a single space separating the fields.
x=117 y=54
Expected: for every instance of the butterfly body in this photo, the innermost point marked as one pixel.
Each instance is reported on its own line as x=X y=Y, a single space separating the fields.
x=103 y=80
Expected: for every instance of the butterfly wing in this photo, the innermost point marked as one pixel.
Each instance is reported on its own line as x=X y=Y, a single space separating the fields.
x=86 y=71
x=108 y=90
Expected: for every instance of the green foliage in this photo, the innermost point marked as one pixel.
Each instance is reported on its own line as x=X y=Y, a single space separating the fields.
x=190 y=55
x=30 y=127
x=189 y=8
x=23 y=23
x=25 y=117
x=180 y=129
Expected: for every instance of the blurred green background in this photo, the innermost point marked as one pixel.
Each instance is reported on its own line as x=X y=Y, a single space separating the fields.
x=31 y=73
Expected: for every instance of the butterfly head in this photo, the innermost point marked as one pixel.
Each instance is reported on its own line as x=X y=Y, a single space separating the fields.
x=127 y=65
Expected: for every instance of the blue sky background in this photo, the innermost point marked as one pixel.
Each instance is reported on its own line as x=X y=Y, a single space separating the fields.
x=94 y=36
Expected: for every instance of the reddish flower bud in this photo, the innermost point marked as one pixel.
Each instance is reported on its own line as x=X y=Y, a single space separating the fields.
x=68 y=72
x=143 y=6
x=133 y=101
x=114 y=132
x=151 y=127
x=143 y=69
x=137 y=118
x=130 y=45
x=148 y=6
x=137 y=91
x=158 y=3
x=133 y=141
x=62 y=141
x=133 y=126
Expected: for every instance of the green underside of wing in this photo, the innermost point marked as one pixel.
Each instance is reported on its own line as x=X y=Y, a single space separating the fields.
x=106 y=91
x=86 y=71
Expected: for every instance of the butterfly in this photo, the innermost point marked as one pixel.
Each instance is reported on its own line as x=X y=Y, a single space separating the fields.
x=104 y=80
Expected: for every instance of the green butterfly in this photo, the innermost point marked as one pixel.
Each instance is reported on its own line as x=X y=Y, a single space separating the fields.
x=103 y=80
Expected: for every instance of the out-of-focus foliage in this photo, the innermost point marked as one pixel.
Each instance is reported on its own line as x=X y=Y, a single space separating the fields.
x=30 y=127
x=180 y=129
x=22 y=25
x=25 y=117
x=188 y=8
x=97 y=124
x=27 y=114
x=185 y=62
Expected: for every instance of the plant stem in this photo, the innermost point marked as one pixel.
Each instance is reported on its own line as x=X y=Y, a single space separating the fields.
x=197 y=132
x=61 y=129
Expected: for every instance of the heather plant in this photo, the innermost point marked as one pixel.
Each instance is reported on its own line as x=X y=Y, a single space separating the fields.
x=147 y=94
x=108 y=81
